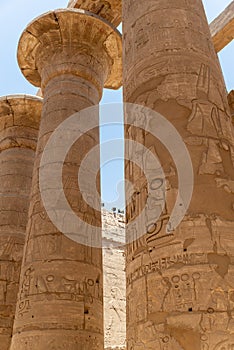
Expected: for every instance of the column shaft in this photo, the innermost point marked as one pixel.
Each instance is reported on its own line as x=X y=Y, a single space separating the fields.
x=180 y=284
x=19 y=124
x=113 y=270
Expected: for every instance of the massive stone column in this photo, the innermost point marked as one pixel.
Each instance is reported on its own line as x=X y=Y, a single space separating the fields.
x=71 y=54
x=19 y=124
x=180 y=284
x=113 y=230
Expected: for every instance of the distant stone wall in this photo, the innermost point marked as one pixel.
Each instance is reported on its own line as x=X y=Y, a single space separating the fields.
x=114 y=281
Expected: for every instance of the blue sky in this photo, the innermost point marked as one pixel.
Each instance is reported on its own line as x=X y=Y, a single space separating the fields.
x=14 y=17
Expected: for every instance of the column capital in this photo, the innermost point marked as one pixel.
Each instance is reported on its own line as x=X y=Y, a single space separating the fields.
x=111 y=10
x=71 y=41
x=19 y=121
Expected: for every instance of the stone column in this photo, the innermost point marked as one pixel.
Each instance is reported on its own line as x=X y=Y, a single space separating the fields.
x=19 y=124
x=113 y=228
x=180 y=285
x=113 y=266
x=71 y=54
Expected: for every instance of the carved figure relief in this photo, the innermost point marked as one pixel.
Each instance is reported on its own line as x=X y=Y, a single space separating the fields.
x=210 y=127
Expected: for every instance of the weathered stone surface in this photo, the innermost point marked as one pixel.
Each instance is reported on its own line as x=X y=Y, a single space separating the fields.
x=179 y=283
x=111 y=10
x=113 y=226
x=231 y=102
x=222 y=28
x=71 y=54
x=19 y=123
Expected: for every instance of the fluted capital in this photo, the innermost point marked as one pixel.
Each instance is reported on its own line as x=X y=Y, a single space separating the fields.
x=19 y=121
x=111 y=10
x=71 y=41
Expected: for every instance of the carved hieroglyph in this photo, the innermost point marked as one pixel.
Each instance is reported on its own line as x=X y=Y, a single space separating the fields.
x=180 y=285
x=19 y=123
x=111 y=10
x=113 y=225
x=231 y=103
x=71 y=54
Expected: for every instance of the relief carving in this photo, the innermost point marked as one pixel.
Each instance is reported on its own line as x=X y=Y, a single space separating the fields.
x=210 y=126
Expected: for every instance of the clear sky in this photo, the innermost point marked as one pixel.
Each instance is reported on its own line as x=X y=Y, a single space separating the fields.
x=14 y=17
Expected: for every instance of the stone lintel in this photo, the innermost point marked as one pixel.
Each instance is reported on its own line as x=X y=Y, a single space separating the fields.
x=88 y=47
x=222 y=28
x=111 y=10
